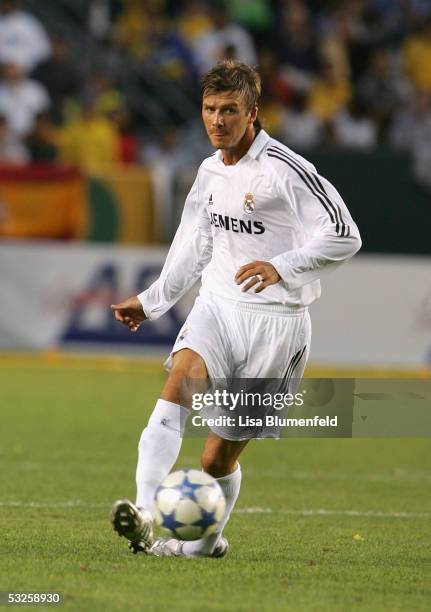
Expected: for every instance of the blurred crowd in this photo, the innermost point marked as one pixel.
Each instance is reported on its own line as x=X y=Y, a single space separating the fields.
x=92 y=82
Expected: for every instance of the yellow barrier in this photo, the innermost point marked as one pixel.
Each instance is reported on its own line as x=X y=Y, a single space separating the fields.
x=42 y=201
x=128 y=191
x=52 y=201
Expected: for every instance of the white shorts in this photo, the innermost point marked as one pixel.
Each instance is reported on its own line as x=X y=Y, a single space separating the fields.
x=238 y=340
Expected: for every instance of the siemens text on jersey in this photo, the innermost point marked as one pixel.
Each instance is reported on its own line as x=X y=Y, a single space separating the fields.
x=237 y=225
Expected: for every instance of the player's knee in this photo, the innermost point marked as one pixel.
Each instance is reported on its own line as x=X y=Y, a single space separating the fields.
x=190 y=364
x=188 y=376
x=217 y=465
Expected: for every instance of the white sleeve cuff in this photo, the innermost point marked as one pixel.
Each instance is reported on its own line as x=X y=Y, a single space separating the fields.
x=141 y=298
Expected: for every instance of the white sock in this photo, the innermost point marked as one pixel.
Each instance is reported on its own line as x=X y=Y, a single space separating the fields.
x=158 y=449
x=230 y=486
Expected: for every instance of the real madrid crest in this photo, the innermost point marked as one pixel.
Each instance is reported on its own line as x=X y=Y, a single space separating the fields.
x=249 y=204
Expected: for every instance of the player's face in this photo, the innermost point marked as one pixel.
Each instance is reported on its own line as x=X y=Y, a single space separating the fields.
x=226 y=118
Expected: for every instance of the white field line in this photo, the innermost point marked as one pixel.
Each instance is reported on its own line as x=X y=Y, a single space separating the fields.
x=258 y=510
x=323 y=512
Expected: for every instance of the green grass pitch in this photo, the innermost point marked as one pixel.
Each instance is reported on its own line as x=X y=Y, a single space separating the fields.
x=68 y=446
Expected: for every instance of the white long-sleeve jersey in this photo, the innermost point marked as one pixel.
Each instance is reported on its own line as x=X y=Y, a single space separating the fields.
x=272 y=206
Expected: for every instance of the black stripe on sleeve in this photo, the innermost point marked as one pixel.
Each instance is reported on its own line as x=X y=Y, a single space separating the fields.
x=318 y=184
x=341 y=227
x=304 y=179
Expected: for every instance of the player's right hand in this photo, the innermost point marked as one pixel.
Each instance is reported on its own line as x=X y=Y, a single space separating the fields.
x=130 y=313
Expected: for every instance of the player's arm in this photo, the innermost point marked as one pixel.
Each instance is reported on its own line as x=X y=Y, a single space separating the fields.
x=331 y=235
x=188 y=255
x=331 y=238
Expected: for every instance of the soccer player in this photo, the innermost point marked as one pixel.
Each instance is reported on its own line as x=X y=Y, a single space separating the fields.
x=260 y=226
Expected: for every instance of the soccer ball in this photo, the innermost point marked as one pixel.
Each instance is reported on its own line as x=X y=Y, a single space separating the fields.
x=189 y=504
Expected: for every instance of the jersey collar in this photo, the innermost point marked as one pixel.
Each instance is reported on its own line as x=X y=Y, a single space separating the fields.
x=256 y=147
x=258 y=143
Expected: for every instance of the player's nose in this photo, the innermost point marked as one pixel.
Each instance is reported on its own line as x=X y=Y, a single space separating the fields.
x=218 y=120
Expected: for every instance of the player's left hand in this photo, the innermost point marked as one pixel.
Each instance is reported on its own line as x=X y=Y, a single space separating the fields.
x=261 y=273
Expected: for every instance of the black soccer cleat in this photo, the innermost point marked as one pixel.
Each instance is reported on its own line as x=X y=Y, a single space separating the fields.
x=133 y=524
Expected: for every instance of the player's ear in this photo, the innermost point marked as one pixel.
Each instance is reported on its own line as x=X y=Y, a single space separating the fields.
x=253 y=114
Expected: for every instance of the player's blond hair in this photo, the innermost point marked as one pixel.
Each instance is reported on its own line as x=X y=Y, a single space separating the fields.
x=231 y=75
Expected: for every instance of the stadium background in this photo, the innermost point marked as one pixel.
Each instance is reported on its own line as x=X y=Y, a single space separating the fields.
x=100 y=139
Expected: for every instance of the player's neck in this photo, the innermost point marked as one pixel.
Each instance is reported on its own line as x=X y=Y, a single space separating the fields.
x=232 y=156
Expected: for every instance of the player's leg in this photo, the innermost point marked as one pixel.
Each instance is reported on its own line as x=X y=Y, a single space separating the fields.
x=161 y=440
x=220 y=459
x=277 y=348
x=158 y=450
